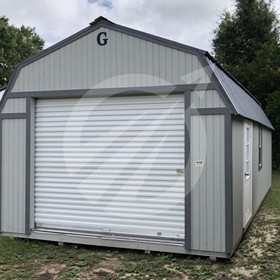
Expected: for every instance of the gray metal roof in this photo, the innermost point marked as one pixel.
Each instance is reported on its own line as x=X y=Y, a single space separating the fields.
x=244 y=104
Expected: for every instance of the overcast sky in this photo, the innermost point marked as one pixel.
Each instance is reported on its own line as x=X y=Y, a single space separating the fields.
x=187 y=21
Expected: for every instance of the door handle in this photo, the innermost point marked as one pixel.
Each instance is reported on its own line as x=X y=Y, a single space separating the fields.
x=247 y=174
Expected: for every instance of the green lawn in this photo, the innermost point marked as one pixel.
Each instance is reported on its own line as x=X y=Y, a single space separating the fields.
x=258 y=256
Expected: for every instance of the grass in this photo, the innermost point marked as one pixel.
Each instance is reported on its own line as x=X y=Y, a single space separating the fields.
x=257 y=257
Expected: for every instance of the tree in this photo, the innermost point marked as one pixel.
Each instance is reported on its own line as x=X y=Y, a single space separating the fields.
x=240 y=35
x=246 y=43
x=273 y=112
x=262 y=75
x=16 y=44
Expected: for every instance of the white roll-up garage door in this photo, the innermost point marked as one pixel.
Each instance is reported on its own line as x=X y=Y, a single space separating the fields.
x=111 y=165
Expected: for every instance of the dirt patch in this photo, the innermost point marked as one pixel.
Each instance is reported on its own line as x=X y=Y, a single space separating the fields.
x=101 y=270
x=244 y=271
x=50 y=272
x=107 y=266
x=180 y=275
x=271 y=235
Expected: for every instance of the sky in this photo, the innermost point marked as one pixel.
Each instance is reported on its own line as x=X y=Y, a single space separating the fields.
x=190 y=22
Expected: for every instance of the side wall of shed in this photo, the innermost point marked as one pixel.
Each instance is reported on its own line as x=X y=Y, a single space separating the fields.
x=261 y=176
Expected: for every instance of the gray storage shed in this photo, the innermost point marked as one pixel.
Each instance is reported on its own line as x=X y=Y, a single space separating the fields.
x=114 y=137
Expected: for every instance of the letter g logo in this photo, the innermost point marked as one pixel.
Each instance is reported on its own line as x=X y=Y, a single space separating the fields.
x=102 y=39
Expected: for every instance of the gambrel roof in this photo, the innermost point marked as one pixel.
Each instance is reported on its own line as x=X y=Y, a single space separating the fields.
x=238 y=100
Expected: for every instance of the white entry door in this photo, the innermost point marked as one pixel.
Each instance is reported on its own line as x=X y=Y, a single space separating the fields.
x=247 y=168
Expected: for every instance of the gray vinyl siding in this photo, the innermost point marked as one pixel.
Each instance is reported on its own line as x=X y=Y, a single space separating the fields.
x=126 y=61
x=206 y=99
x=262 y=177
x=13 y=176
x=14 y=105
x=237 y=178
x=208 y=183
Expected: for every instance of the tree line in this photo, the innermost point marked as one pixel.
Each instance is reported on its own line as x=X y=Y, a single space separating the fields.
x=246 y=43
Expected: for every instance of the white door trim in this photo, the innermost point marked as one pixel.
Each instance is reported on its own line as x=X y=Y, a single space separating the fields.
x=247 y=172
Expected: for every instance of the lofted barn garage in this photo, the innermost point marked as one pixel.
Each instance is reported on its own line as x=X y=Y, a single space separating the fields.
x=115 y=137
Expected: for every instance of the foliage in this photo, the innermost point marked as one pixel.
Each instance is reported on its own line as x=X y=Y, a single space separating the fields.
x=246 y=43
x=273 y=111
x=240 y=35
x=16 y=44
x=263 y=73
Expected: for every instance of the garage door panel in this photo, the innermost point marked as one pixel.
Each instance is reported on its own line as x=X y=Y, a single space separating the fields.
x=111 y=165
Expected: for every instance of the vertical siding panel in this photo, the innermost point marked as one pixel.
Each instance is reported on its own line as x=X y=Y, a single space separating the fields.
x=137 y=61
x=24 y=78
x=78 y=57
x=40 y=82
x=202 y=99
x=182 y=67
x=162 y=61
x=203 y=183
x=125 y=62
x=194 y=70
x=222 y=185
x=23 y=175
x=217 y=183
x=62 y=64
x=143 y=62
x=90 y=61
x=30 y=81
x=56 y=70
x=156 y=64
x=195 y=213
x=131 y=66
x=113 y=54
x=209 y=98
x=169 y=70
x=119 y=61
x=72 y=66
x=9 y=174
x=107 y=63
x=13 y=176
x=150 y=65
x=51 y=80
x=189 y=70
x=216 y=103
x=46 y=72
x=96 y=68
x=210 y=185
x=175 y=66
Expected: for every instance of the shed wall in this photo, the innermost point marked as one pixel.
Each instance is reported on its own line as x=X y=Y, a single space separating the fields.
x=206 y=99
x=13 y=175
x=237 y=178
x=208 y=182
x=262 y=177
x=14 y=105
x=126 y=61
